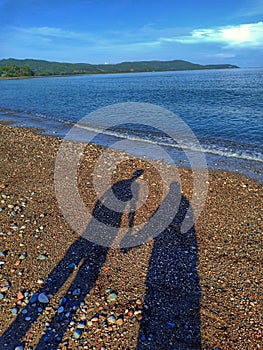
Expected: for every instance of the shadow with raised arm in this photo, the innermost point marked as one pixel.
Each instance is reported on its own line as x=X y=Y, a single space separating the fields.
x=87 y=258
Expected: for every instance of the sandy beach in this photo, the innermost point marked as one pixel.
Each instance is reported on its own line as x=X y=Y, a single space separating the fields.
x=59 y=291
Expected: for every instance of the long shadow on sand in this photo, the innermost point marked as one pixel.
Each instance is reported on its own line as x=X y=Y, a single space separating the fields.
x=171 y=313
x=171 y=309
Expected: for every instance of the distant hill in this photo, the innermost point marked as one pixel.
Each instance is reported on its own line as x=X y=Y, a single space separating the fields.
x=46 y=68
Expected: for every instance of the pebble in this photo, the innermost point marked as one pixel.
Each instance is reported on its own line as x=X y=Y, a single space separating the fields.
x=17 y=263
x=76 y=292
x=42 y=257
x=23 y=256
x=20 y=296
x=14 y=310
x=111 y=319
x=1 y=296
x=20 y=347
x=63 y=300
x=112 y=297
x=42 y=298
x=77 y=334
x=3 y=254
x=4 y=286
x=89 y=324
x=81 y=326
x=33 y=298
x=119 y=321
x=72 y=266
x=130 y=312
x=60 y=309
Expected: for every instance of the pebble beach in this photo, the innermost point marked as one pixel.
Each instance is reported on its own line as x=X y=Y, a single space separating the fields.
x=53 y=296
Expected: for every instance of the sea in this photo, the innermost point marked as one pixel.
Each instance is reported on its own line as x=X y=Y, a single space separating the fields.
x=222 y=108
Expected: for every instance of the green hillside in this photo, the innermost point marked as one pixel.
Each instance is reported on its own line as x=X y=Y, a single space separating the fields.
x=46 y=68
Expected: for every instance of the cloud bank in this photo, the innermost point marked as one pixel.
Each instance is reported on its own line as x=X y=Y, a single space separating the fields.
x=243 y=35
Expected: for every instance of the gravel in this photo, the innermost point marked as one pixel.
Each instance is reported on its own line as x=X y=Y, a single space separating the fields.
x=166 y=294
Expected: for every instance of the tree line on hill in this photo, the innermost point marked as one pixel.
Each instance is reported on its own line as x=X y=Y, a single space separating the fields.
x=15 y=71
x=28 y=67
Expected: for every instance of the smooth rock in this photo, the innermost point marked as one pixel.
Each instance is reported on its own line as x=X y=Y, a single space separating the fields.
x=42 y=298
x=3 y=254
x=81 y=326
x=76 y=292
x=4 y=286
x=42 y=257
x=119 y=321
x=14 y=310
x=33 y=298
x=60 y=309
x=23 y=256
x=112 y=297
x=111 y=319
x=63 y=300
x=72 y=265
x=77 y=334
x=20 y=296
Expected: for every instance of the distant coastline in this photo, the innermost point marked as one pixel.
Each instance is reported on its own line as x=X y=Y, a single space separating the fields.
x=14 y=68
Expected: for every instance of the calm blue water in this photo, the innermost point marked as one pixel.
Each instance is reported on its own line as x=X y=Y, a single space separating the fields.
x=224 y=108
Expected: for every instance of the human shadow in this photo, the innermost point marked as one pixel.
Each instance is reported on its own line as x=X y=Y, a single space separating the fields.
x=171 y=312
x=83 y=255
x=170 y=318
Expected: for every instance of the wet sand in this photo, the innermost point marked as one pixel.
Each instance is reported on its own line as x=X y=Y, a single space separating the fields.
x=120 y=296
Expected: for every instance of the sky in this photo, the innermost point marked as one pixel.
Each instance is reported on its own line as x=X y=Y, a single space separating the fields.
x=112 y=31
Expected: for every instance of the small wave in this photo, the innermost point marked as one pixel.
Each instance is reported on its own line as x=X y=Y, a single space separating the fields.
x=18 y=114
x=188 y=146
x=146 y=136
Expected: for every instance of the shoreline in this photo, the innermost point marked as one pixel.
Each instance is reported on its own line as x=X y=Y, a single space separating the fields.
x=58 y=129
x=229 y=253
x=128 y=72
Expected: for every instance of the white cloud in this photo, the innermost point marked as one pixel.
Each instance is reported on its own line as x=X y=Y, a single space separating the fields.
x=248 y=35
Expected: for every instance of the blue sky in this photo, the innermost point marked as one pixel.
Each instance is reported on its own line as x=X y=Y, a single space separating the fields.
x=203 y=31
